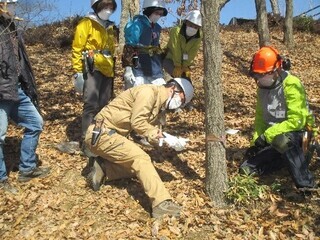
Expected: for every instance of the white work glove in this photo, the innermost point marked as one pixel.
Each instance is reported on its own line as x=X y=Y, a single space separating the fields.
x=78 y=82
x=129 y=77
x=177 y=143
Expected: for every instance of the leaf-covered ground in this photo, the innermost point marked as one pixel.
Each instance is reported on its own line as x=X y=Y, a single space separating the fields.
x=63 y=207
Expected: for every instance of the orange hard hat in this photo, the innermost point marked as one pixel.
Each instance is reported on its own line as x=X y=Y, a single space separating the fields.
x=266 y=59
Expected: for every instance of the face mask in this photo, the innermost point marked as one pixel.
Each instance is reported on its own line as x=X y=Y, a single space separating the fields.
x=154 y=17
x=174 y=102
x=266 y=81
x=190 y=31
x=104 y=14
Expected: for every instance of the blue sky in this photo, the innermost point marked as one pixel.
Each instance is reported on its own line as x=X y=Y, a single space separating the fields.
x=235 y=8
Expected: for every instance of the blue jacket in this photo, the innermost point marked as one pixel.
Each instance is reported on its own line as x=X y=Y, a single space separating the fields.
x=140 y=32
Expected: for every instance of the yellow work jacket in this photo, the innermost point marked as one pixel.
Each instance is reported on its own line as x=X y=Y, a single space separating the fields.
x=180 y=50
x=137 y=109
x=90 y=34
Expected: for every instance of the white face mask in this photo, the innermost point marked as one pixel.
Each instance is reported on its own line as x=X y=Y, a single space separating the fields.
x=174 y=102
x=266 y=81
x=154 y=17
x=190 y=31
x=104 y=14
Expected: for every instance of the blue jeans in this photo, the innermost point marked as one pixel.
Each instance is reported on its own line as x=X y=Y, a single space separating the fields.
x=24 y=114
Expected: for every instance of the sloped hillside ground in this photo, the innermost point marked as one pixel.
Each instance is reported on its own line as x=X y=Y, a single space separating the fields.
x=63 y=207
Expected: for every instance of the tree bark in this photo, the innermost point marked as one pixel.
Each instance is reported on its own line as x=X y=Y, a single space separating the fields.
x=275 y=7
x=262 y=22
x=288 y=25
x=216 y=168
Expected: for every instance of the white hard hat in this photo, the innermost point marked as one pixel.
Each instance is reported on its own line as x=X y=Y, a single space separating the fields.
x=8 y=1
x=113 y=1
x=93 y=2
x=155 y=4
x=194 y=16
x=186 y=87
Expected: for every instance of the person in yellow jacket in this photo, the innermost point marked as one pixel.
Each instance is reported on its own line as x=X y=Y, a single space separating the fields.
x=184 y=43
x=136 y=109
x=92 y=58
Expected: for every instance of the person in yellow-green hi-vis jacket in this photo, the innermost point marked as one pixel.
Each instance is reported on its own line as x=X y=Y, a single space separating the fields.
x=93 y=48
x=281 y=122
x=183 y=45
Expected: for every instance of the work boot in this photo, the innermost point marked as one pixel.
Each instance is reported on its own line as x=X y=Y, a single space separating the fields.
x=6 y=186
x=166 y=207
x=87 y=169
x=96 y=176
x=38 y=172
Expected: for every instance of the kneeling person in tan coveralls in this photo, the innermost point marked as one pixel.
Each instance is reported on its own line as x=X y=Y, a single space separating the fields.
x=136 y=109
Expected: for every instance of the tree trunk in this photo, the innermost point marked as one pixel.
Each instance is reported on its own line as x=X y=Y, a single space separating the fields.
x=129 y=8
x=262 y=22
x=216 y=168
x=275 y=7
x=288 y=25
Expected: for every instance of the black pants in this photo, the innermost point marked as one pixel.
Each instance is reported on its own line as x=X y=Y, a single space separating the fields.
x=97 y=94
x=268 y=160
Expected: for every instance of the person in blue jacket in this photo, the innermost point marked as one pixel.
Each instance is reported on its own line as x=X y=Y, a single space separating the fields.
x=143 y=55
x=284 y=125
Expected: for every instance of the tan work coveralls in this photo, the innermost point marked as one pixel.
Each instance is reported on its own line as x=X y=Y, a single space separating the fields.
x=134 y=109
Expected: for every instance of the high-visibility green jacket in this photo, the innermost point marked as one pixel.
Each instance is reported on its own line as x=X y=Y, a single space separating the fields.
x=178 y=45
x=282 y=109
x=92 y=34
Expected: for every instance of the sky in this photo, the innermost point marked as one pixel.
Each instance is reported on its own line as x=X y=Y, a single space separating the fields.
x=235 y=8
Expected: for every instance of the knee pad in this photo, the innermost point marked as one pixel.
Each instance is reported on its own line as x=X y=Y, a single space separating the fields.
x=282 y=142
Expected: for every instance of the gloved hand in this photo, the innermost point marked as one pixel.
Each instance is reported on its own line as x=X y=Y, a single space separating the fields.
x=261 y=142
x=177 y=143
x=177 y=71
x=78 y=82
x=250 y=152
x=129 y=77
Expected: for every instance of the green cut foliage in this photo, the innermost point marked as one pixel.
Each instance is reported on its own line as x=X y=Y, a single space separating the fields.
x=244 y=189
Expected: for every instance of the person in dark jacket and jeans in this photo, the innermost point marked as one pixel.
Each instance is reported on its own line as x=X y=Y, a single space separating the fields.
x=18 y=99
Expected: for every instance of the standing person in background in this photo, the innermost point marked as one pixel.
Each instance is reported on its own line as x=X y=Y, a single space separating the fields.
x=184 y=43
x=92 y=58
x=142 y=56
x=282 y=121
x=18 y=99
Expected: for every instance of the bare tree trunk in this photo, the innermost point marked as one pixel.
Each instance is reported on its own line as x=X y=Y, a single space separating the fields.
x=216 y=168
x=129 y=9
x=134 y=8
x=288 y=25
x=262 y=22
x=275 y=7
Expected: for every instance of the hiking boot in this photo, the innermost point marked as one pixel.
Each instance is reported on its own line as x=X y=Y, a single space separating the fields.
x=308 y=190
x=87 y=169
x=38 y=172
x=166 y=207
x=96 y=176
x=6 y=186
